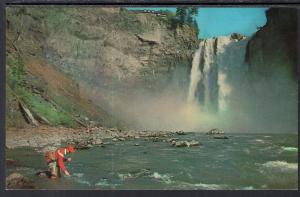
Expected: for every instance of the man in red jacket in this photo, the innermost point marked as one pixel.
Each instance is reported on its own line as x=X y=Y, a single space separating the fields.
x=60 y=156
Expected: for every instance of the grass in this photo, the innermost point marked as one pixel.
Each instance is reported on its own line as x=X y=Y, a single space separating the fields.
x=19 y=84
x=54 y=116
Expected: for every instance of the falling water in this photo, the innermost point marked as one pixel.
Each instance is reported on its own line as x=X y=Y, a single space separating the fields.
x=195 y=76
x=214 y=62
x=210 y=72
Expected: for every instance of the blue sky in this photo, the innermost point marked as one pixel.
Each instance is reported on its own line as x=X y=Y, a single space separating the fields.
x=223 y=21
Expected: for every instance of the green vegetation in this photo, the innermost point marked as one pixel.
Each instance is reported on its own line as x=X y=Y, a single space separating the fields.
x=52 y=114
x=183 y=16
x=21 y=86
x=186 y=15
x=15 y=72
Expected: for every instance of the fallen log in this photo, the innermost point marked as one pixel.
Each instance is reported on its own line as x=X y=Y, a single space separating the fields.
x=28 y=115
x=80 y=122
x=42 y=119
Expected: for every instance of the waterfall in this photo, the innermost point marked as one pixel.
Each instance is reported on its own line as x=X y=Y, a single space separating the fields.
x=195 y=76
x=218 y=66
x=210 y=75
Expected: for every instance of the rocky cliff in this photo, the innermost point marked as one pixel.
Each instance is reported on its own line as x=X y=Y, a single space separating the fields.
x=274 y=46
x=67 y=62
x=272 y=59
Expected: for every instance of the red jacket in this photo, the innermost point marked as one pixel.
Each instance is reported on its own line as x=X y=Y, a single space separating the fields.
x=60 y=157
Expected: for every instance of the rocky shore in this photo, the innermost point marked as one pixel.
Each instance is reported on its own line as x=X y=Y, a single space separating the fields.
x=44 y=137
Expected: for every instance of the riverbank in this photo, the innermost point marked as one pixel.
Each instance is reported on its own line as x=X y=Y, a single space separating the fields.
x=40 y=137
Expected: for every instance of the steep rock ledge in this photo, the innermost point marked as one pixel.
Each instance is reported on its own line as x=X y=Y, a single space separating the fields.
x=274 y=46
x=91 y=52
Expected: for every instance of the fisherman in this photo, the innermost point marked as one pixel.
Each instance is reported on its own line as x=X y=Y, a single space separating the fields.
x=55 y=161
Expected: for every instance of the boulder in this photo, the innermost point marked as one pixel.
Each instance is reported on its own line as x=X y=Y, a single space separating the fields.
x=181 y=144
x=180 y=132
x=98 y=141
x=173 y=142
x=18 y=181
x=215 y=131
x=194 y=143
x=173 y=139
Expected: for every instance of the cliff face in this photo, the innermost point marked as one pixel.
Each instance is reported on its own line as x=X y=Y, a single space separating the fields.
x=274 y=47
x=272 y=58
x=83 y=57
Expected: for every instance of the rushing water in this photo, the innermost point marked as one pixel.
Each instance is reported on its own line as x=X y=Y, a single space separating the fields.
x=218 y=65
x=244 y=161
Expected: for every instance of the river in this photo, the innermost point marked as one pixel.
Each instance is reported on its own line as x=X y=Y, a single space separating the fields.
x=244 y=161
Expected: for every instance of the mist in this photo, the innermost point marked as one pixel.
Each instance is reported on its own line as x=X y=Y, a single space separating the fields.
x=225 y=93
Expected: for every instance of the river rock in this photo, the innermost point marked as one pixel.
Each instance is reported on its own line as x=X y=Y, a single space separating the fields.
x=156 y=139
x=83 y=145
x=18 y=181
x=98 y=141
x=194 y=143
x=173 y=139
x=44 y=174
x=215 y=131
x=180 y=132
x=181 y=144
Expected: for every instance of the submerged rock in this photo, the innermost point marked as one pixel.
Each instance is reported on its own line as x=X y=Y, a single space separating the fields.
x=83 y=145
x=185 y=143
x=220 y=136
x=156 y=139
x=12 y=162
x=18 y=181
x=173 y=139
x=135 y=174
x=46 y=174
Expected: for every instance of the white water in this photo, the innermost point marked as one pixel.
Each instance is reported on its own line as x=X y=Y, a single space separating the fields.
x=195 y=76
x=219 y=58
